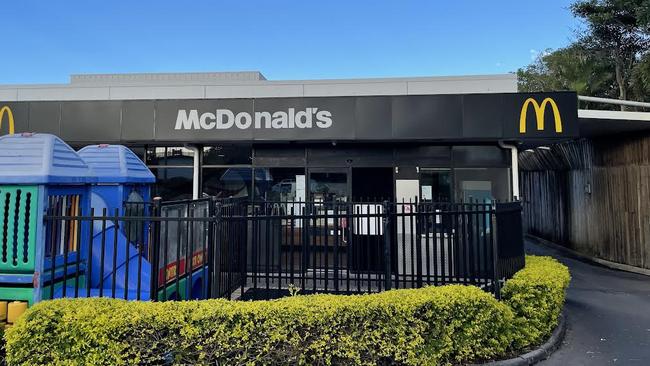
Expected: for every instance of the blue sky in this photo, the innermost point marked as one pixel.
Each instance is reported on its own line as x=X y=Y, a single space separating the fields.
x=44 y=42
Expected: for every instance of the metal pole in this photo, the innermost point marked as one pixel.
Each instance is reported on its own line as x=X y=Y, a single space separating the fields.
x=387 y=252
x=495 y=252
x=630 y=103
x=155 y=248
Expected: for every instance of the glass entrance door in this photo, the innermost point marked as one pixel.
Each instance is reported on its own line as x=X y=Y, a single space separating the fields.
x=329 y=186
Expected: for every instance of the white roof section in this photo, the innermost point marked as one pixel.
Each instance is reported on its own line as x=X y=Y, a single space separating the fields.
x=614 y=115
x=164 y=78
x=246 y=84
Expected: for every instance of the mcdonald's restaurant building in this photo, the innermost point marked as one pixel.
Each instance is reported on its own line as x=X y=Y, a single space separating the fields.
x=235 y=134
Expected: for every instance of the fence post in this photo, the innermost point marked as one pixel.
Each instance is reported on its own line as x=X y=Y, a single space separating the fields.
x=417 y=216
x=387 y=251
x=216 y=248
x=209 y=262
x=496 y=284
x=155 y=247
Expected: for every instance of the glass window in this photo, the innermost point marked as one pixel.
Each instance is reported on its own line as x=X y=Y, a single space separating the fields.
x=328 y=187
x=482 y=184
x=173 y=183
x=227 y=182
x=280 y=184
x=139 y=151
x=134 y=207
x=435 y=185
x=227 y=155
x=175 y=156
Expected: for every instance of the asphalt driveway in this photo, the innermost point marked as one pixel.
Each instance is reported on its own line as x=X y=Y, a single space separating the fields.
x=608 y=315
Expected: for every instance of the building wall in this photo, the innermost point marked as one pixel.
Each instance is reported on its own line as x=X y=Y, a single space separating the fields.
x=592 y=196
x=247 y=85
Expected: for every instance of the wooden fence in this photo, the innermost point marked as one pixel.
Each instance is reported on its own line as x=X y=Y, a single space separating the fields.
x=591 y=196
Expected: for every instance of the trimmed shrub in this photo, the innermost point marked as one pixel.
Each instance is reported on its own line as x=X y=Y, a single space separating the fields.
x=536 y=296
x=433 y=325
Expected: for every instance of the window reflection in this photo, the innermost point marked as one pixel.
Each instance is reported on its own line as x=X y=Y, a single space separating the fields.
x=173 y=183
x=328 y=187
x=227 y=182
x=482 y=184
x=280 y=184
x=227 y=155
x=178 y=156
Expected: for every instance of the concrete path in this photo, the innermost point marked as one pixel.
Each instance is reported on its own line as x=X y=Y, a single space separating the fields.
x=608 y=315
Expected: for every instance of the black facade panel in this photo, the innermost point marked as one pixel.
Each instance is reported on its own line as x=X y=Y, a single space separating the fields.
x=427 y=117
x=480 y=156
x=408 y=172
x=567 y=107
x=483 y=116
x=137 y=119
x=436 y=118
x=278 y=156
x=19 y=111
x=45 y=117
x=423 y=156
x=344 y=156
x=374 y=118
x=93 y=122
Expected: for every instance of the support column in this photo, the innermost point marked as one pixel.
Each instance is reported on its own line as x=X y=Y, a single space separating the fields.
x=196 y=172
x=514 y=168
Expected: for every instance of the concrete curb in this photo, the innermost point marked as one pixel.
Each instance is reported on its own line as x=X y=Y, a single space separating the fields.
x=541 y=353
x=590 y=259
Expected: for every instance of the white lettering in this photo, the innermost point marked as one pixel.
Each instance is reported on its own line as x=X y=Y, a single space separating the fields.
x=303 y=118
x=292 y=117
x=225 y=119
x=324 y=119
x=258 y=119
x=280 y=120
x=187 y=122
x=204 y=123
x=230 y=119
x=243 y=120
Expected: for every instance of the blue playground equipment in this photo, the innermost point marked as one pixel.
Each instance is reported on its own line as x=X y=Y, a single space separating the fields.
x=78 y=225
x=39 y=173
x=122 y=188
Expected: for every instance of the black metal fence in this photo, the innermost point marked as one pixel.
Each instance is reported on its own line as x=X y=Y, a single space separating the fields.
x=240 y=249
x=346 y=247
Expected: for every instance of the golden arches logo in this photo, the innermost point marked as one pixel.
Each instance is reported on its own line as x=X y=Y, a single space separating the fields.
x=10 y=117
x=539 y=114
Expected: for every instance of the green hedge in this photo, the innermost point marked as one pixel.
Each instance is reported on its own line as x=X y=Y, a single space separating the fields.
x=536 y=296
x=433 y=325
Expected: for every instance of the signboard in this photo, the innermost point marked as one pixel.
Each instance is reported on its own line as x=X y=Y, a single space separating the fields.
x=471 y=117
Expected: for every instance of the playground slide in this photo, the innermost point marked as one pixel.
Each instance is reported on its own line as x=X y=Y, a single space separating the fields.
x=128 y=271
x=103 y=275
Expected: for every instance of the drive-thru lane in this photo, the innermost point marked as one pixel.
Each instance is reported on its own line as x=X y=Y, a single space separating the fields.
x=608 y=315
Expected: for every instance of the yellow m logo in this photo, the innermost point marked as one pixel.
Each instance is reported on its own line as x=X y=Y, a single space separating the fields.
x=10 y=117
x=539 y=114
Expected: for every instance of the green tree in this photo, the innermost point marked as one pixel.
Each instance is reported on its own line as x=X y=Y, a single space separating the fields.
x=615 y=31
x=609 y=59
x=570 y=68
